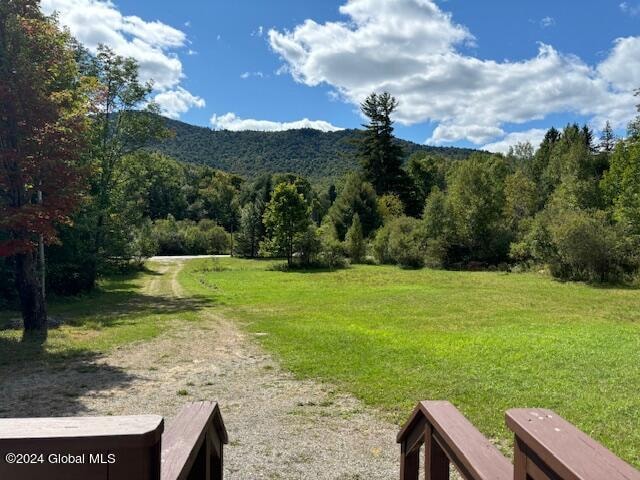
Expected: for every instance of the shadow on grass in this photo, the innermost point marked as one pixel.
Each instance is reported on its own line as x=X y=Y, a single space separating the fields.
x=111 y=307
x=306 y=269
x=49 y=379
x=118 y=301
x=38 y=383
x=619 y=285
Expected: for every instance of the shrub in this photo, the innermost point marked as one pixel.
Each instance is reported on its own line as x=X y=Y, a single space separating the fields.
x=380 y=245
x=144 y=243
x=401 y=241
x=406 y=246
x=195 y=240
x=390 y=206
x=579 y=245
x=309 y=246
x=189 y=238
x=169 y=238
x=436 y=253
x=218 y=241
x=332 y=253
x=590 y=248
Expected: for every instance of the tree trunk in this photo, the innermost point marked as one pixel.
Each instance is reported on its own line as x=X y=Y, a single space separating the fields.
x=34 y=312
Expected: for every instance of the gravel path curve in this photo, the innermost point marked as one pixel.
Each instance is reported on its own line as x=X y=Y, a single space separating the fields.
x=279 y=427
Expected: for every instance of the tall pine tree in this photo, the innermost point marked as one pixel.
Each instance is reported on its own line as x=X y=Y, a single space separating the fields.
x=379 y=154
x=607 y=139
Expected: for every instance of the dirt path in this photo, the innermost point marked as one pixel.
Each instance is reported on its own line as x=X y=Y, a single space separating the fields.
x=279 y=427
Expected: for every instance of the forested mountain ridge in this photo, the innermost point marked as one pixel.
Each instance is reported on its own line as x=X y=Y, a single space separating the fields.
x=314 y=154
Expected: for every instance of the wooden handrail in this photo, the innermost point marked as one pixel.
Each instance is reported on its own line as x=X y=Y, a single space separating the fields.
x=116 y=448
x=547 y=447
x=81 y=448
x=192 y=445
x=449 y=438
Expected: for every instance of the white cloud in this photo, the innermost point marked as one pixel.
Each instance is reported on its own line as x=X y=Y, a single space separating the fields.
x=246 y=75
x=173 y=103
x=229 y=121
x=533 y=136
x=413 y=49
x=152 y=43
x=547 y=22
x=622 y=65
x=630 y=9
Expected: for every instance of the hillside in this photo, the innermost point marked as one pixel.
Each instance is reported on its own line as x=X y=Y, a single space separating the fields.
x=312 y=153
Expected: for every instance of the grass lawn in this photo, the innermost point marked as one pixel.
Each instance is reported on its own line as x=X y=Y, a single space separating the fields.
x=486 y=342
x=124 y=309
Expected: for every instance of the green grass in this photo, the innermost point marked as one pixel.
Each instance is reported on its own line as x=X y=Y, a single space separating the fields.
x=120 y=311
x=486 y=342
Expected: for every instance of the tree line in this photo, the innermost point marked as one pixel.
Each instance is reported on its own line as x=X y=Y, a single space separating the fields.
x=85 y=192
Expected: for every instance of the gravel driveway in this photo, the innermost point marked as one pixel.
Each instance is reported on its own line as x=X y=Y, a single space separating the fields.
x=279 y=427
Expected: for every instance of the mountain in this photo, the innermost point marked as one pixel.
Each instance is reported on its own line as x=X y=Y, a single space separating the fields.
x=314 y=154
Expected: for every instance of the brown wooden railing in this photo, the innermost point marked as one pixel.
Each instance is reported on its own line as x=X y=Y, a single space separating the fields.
x=115 y=448
x=192 y=446
x=546 y=447
x=448 y=437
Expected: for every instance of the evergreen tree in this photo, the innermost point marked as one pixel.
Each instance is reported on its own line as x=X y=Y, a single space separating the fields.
x=380 y=155
x=621 y=185
x=332 y=194
x=607 y=139
x=426 y=172
x=357 y=196
x=356 y=247
x=250 y=233
x=633 y=129
x=542 y=156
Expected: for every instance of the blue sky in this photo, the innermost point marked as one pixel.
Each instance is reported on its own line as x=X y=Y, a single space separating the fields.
x=466 y=72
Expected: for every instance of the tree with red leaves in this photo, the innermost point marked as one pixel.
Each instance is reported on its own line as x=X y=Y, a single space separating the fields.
x=43 y=120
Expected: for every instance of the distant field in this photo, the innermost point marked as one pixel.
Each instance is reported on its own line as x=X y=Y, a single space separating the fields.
x=485 y=341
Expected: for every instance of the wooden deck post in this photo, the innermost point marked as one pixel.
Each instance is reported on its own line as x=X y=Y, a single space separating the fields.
x=449 y=438
x=409 y=463
x=436 y=463
x=519 y=459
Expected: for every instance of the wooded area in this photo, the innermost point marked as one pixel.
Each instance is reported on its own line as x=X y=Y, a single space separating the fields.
x=85 y=189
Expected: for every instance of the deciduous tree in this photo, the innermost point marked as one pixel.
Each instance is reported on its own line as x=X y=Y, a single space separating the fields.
x=42 y=129
x=125 y=122
x=286 y=218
